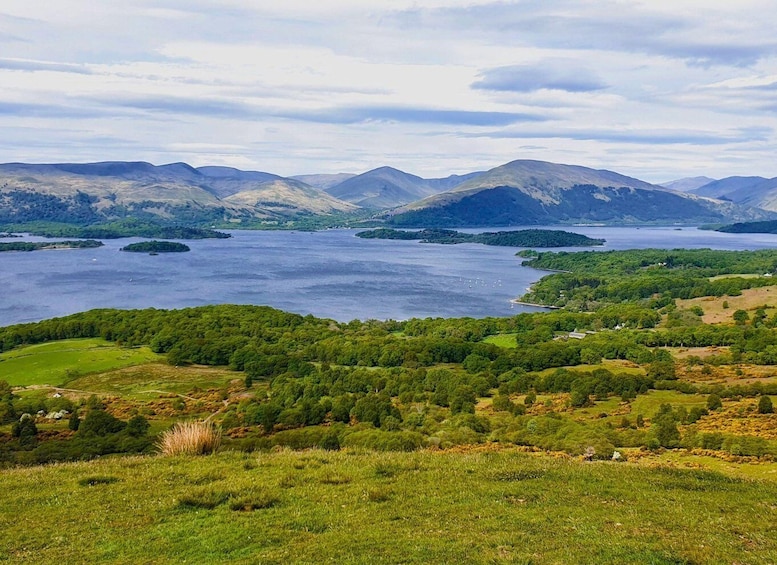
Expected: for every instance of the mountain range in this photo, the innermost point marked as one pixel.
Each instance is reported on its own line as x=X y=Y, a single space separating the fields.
x=519 y=192
x=757 y=192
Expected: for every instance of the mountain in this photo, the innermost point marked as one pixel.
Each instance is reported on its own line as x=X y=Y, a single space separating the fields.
x=761 y=195
x=90 y=192
x=535 y=192
x=386 y=187
x=687 y=184
x=748 y=191
x=722 y=187
x=448 y=183
x=277 y=196
x=323 y=181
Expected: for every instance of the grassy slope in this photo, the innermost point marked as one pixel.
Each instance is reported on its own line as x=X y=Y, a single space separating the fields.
x=56 y=362
x=750 y=300
x=346 y=507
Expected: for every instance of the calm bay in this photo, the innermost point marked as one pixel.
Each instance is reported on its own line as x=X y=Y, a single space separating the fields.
x=330 y=274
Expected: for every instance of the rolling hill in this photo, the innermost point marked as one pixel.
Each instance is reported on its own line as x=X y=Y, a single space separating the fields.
x=758 y=192
x=85 y=193
x=323 y=181
x=537 y=192
x=723 y=187
x=386 y=187
x=687 y=184
x=282 y=194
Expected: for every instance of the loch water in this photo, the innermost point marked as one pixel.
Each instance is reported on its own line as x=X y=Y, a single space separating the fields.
x=330 y=274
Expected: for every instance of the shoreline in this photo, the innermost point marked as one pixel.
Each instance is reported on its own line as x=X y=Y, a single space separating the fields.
x=522 y=303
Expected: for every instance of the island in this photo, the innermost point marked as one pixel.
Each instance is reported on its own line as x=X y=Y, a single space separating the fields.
x=153 y=247
x=126 y=227
x=767 y=226
x=38 y=245
x=515 y=238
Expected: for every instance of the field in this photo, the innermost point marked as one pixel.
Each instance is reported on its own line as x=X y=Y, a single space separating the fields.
x=57 y=362
x=355 y=507
x=716 y=312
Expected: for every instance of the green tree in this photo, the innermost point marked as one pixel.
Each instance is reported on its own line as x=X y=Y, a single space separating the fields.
x=26 y=430
x=137 y=426
x=74 y=421
x=664 y=427
x=463 y=400
x=741 y=317
x=373 y=407
x=714 y=402
x=765 y=405
x=100 y=423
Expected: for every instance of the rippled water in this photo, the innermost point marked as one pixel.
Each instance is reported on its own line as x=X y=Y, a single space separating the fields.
x=330 y=274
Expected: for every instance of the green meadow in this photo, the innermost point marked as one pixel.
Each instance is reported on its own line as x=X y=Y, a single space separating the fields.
x=364 y=507
x=55 y=363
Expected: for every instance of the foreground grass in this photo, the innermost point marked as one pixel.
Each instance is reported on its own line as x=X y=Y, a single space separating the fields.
x=57 y=362
x=351 y=507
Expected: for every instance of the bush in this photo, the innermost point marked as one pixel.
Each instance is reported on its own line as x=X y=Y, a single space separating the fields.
x=190 y=438
x=765 y=405
x=100 y=423
x=713 y=402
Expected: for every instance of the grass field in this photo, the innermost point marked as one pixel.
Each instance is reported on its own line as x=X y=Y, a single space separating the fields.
x=151 y=379
x=352 y=507
x=57 y=362
x=749 y=300
x=502 y=340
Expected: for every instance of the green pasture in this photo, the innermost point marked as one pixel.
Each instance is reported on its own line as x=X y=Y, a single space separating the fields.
x=648 y=404
x=57 y=362
x=149 y=380
x=502 y=340
x=363 y=507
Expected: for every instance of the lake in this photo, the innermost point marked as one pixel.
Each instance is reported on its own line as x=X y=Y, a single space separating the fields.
x=329 y=274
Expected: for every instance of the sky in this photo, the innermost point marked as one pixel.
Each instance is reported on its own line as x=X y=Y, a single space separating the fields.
x=657 y=90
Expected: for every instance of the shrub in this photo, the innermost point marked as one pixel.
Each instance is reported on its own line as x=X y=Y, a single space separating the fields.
x=190 y=438
x=765 y=405
x=137 y=426
x=713 y=402
x=100 y=423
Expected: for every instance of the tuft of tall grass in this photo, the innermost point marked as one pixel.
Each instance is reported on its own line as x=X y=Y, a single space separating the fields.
x=190 y=438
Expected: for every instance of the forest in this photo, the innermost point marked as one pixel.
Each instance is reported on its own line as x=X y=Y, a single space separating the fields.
x=649 y=277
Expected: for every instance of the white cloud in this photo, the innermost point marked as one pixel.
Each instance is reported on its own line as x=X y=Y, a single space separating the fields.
x=430 y=86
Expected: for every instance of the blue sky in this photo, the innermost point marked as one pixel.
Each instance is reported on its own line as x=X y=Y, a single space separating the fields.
x=657 y=90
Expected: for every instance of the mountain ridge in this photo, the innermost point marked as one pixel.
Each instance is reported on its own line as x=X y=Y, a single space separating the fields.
x=536 y=192
x=519 y=192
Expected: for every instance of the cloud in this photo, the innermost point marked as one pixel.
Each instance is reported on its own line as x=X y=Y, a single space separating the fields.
x=201 y=106
x=32 y=66
x=226 y=108
x=644 y=137
x=24 y=110
x=548 y=75
x=412 y=115
x=710 y=35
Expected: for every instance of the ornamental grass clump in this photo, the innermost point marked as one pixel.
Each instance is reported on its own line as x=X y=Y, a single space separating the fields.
x=190 y=438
